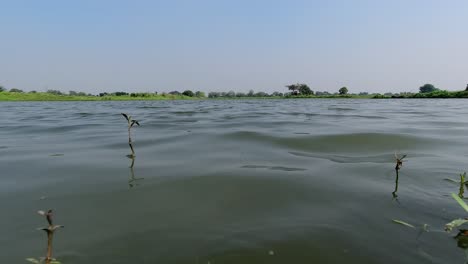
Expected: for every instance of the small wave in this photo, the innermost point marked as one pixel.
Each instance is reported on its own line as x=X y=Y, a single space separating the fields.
x=280 y=168
x=357 y=142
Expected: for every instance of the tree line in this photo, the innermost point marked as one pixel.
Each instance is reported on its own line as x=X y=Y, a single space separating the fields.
x=294 y=90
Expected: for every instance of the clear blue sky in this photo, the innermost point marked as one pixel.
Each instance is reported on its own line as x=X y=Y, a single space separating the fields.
x=113 y=45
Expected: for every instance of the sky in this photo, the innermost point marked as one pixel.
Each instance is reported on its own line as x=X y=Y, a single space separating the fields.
x=214 y=45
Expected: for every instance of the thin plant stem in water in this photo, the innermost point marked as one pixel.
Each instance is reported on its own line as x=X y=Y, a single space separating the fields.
x=131 y=123
x=50 y=230
x=461 y=191
x=398 y=165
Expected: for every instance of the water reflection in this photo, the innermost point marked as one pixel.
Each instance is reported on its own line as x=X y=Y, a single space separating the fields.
x=462 y=241
x=131 y=122
x=133 y=181
x=394 y=193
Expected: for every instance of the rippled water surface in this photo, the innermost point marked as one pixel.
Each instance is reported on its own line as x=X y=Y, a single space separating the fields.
x=244 y=181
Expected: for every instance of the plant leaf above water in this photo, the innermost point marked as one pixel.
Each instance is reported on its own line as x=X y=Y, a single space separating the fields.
x=455 y=223
x=450 y=180
x=403 y=223
x=33 y=260
x=460 y=201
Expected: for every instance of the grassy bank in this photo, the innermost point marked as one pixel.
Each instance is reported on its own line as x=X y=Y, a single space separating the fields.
x=41 y=96
x=8 y=96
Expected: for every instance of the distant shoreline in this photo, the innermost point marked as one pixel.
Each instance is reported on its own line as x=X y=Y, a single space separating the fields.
x=43 y=96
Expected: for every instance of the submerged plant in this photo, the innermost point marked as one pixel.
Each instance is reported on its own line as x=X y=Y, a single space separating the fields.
x=50 y=230
x=131 y=123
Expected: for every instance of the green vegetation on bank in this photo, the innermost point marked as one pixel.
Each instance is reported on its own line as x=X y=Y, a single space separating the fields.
x=295 y=91
x=44 y=96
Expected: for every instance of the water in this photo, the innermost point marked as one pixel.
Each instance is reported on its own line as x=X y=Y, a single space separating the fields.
x=242 y=181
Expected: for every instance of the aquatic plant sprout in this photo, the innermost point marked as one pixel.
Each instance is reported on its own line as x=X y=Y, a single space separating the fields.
x=131 y=123
x=50 y=230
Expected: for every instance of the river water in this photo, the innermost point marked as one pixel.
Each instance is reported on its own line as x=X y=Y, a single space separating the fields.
x=241 y=181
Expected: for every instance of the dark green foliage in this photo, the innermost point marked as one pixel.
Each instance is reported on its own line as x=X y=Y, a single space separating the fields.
x=300 y=88
x=231 y=94
x=188 y=93
x=2 y=89
x=140 y=95
x=120 y=93
x=466 y=88
x=427 y=88
x=261 y=94
x=15 y=90
x=343 y=90
x=175 y=93
x=305 y=90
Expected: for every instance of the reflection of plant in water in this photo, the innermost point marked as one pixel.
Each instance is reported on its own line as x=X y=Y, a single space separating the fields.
x=133 y=181
x=462 y=235
x=396 y=186
x=50 y=229
x=131 y=123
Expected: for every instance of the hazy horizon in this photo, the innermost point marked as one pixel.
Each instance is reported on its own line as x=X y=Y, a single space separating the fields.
x=147 y=46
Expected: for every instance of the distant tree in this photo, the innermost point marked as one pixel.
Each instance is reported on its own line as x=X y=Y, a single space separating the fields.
x=261 y=94
x=231 y=94
x=300 y=88
x=188 y=93
x=56 y=92
x=175 y=93
x=466 y=88
x=343 y=90
x=2 y=89
x=305 y=90
x=363 y=93
x=294 y=88
x=72 y=93
x=213 y=94
x=239 y=94
x=33 y=91
x=199 y=94
x=103 y=94
x=427 y=88
x=15 y=90
x=250 y=93
x=81 y=94
x=120 y=93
